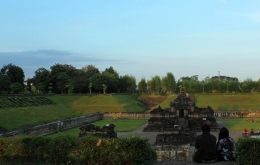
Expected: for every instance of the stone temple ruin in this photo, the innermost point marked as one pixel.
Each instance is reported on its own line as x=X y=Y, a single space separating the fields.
x=177 y=126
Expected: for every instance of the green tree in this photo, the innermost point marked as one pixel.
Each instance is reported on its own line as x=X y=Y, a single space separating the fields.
x=15 y=73
x=42 y=79
x=154 y=85
x=5 y=83
x=16 y=88
x=112 y=79
x=62 y=81
x=58 y=73
x=90 y=71
x=142 y=85
x=169 y=83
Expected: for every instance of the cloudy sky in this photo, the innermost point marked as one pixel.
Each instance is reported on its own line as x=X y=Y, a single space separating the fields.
x=142 y=38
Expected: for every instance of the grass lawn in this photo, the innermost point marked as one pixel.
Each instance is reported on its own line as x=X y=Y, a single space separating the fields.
x=238 y=124
x=67 y=107
x=222 y=102
x=121 y=126
x=229 y=102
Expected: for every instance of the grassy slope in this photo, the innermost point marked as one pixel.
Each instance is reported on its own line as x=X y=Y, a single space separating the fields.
x=238 y=124
x=229 y=102
x=121 y=126
x=66 y=107
x=222 y=102
x=70 y=106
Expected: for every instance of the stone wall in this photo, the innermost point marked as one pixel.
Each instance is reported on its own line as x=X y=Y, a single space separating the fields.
x=146 y=115
x=173 y=152
x=236 y=114
x=126 y=115
x=54 y=127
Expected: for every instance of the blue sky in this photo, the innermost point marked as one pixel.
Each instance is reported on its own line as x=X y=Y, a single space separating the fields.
x=143 y=38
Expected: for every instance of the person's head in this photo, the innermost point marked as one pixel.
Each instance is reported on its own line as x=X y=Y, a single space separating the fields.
x=223 y=133
x=205 y=128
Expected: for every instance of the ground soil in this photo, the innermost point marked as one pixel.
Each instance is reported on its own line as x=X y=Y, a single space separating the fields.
x=152 y=101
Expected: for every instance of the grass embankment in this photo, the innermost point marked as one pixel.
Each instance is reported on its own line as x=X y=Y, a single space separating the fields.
x=221 y=102
x=67 y=107
x=120 y=126
x=229 y=102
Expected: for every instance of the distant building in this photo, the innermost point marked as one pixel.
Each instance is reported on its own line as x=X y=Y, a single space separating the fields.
x=224 y=78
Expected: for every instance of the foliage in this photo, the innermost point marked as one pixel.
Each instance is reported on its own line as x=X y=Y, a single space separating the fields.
x=73 y=150
x=247 y=151
x=16 y=88
x=15 y=73
x=5 y=82
x=142 y=86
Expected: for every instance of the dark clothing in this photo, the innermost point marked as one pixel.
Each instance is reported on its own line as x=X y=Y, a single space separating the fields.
x=207 y=142
x=226 y=149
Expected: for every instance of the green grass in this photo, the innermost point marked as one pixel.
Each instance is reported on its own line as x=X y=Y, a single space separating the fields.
x=121 y=126
x=238 y=124
x=67 y=107
x=229 y=102
x=222 y=102
x=77 y=105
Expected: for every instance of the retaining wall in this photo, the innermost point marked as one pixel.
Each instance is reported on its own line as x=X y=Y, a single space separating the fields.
x=146 y=115
x=54 y=127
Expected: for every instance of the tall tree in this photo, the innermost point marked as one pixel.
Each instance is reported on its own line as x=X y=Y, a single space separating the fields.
x=142 y=85
x=90 y=71
x=62 y=81
x=5 y=83
x=42 y=79
x=112 y=79
x=15 y=73
x=169 y=83
x=67 y=71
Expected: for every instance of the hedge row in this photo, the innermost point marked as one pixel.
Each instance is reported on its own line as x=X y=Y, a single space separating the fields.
x=77 y=151
x=247 y=151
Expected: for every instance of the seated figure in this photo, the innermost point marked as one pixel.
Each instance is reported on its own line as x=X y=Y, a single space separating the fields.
x=225 y=146
x=206 y=146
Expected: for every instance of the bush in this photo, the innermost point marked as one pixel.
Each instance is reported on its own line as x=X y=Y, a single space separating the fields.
x=77 y=150
x=247 y=151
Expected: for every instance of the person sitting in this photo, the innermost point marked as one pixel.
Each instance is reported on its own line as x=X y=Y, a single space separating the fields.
x=245 y=131
x=252 y=131
x=225 y=146
x=205 y=145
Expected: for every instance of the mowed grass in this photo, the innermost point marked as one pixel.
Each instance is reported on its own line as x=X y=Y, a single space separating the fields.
x=222 y=102
x=120 y=126
x=67 y=107
x=229 y=102
x=238 y=124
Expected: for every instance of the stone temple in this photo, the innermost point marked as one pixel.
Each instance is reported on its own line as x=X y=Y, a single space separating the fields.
x=178 y=124
x=177 y=127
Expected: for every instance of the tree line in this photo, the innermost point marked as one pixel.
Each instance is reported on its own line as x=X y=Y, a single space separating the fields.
x=66 y=79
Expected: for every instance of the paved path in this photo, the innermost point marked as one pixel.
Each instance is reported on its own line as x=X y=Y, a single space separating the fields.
x=152 y=135
x=152 y=138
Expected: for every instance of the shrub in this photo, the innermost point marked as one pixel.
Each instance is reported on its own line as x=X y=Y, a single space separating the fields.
x=77 y=150
x=247 y=151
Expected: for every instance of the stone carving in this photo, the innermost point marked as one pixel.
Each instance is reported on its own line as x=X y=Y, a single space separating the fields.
x=106 y=131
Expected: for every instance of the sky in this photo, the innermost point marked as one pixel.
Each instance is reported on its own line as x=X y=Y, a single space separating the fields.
x=142 y=38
